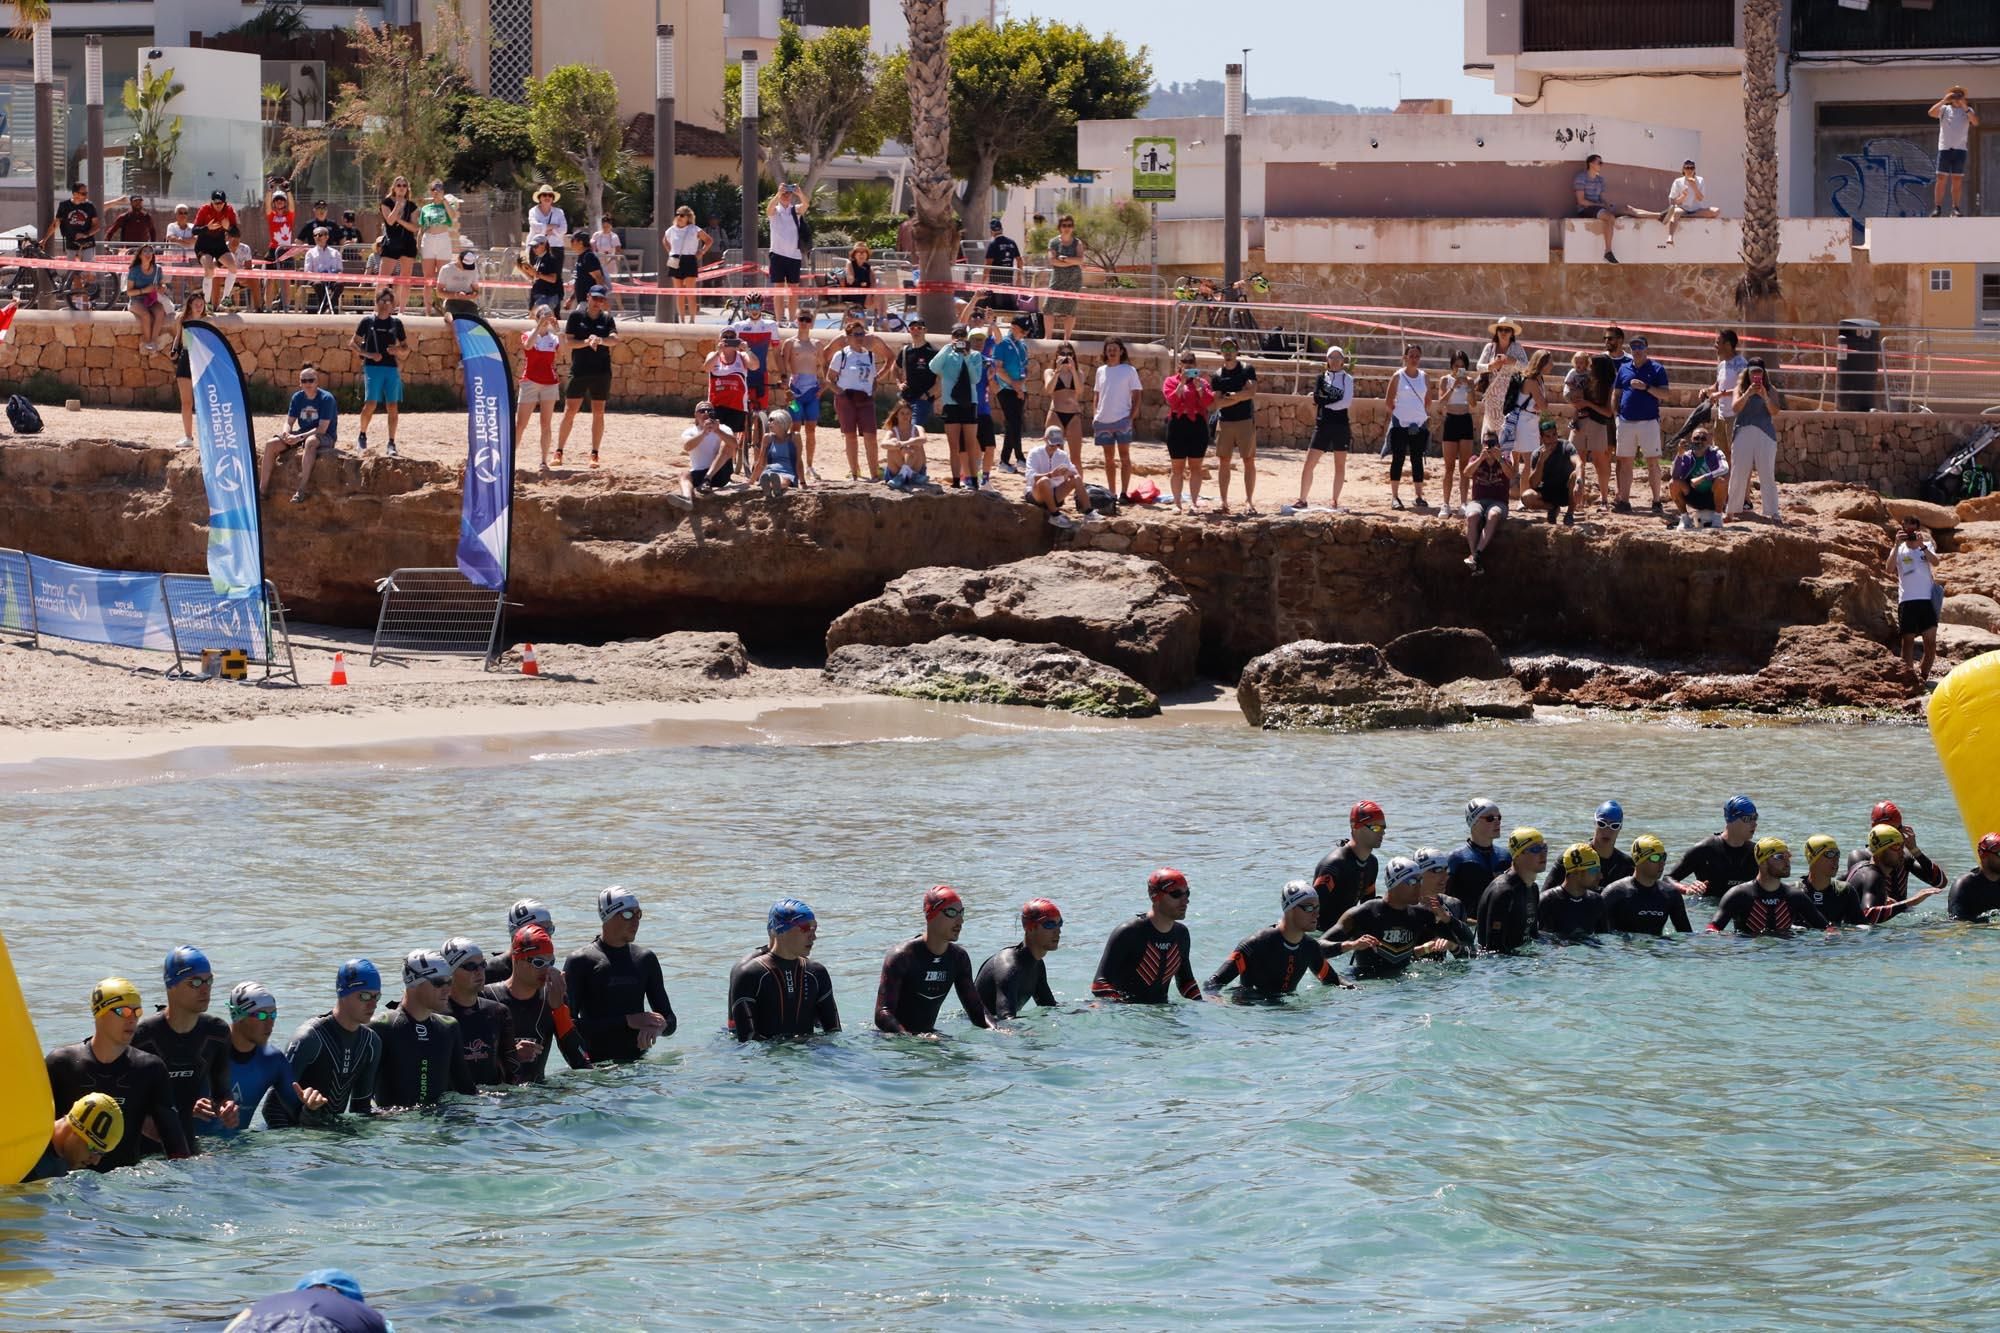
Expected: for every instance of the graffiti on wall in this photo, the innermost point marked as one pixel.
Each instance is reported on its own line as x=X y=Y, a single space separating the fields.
x=1570 y=137
x=1888 y=178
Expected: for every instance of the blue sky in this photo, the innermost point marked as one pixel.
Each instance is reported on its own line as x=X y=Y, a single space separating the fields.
x=1341 y=50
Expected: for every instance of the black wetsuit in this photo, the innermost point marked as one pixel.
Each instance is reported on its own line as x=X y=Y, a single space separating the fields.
x=1472 y=868
x=137 y=1080
x=916 y=981
x=1717 y=864
x=1630 y=908
x=1973 y=896
x=500 y=965
x=1612 y=866
x=1342 y=880
x=339 y=1065
x=777 y=997
x=533 y=1019
x=1267 y=964
x=486 y=1032
x=607 y=986
x=1915 y=866
x=422 y=1060
x=49 y=1166
x=1754 y=911
x=1507 y=914
x=1572 y=918
x=1011 y=978
x=197 y=1062
x=1401 y=930
x=1880 y=894
x=1140 y=963
x=1837 y=902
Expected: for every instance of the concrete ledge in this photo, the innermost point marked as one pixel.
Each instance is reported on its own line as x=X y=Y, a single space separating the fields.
x=1934 y=240
x=1708 y=241
x=1406 y=241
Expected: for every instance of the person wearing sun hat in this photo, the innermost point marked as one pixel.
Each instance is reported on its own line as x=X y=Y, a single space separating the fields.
x=546 y=222
x=1767 y=905
x=1645 y=902
x=1508 y=908
x=1499 y=361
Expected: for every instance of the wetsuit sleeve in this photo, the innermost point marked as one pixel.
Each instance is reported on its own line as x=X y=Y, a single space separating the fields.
x=829 y=1012
x=656 y=995
x=1730 y=910
x=1925 y=869
x=1677 y=911
x=1806 y=913
x=1689 y=866
x=746 y=982
x=1116 y=963
x=219 y=1079
x=284 y=1113
x=1044 y=996
x=1190 y=988
x=570 y=1042
x=1006 y=968
x=1489 y=907
x=281 y=1095
x=367 y=1065
x=1342 y=930
x=1321 y=959
x=968 y=993
x=1869 y=886
x=601 y=1032
x=888 y=991
x=462 y=1080
x=167 y=1120
x=510 y=1064
x=1232 y=968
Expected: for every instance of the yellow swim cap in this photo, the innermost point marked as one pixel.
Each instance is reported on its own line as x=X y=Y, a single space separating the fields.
x=1884 y=836
x=1647 y=845
x=1580 y=856
x=110 y=993
x=1818 y=845
x=1770 y=847
x=1521 y=839
x=99 y=1119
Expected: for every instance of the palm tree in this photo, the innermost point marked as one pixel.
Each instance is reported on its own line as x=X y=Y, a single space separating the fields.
x=27 y=13
x=1757 y=291
x=930 y=153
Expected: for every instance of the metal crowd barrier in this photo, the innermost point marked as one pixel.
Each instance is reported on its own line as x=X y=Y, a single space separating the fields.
x=436 y=612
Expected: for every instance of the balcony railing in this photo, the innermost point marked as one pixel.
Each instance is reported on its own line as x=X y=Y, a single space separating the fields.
x=1954 y=25
x=1617 y=25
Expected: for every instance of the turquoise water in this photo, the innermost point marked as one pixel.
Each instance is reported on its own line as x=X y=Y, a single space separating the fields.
x=1705 y=1133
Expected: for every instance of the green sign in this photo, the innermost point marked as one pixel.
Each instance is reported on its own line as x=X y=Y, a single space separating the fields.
x=1153 y=169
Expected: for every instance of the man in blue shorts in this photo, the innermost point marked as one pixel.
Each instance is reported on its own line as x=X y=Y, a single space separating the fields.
x=377 y=338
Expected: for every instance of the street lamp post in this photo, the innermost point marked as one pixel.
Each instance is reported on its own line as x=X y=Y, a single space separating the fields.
x=663 y=158
x=93 y=118
x=1232 y=176
x=45 y=122
x=749 y=100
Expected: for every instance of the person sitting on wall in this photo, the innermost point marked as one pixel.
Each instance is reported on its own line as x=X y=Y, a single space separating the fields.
x=1591 y=203
x=309 y=427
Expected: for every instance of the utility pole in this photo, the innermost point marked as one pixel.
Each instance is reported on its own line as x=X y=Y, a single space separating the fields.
x=749 y=100
x=1232 y=177
x=663 y=159
x=45 y=128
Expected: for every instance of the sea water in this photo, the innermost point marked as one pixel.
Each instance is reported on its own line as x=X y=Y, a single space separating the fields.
x=1700 y=1132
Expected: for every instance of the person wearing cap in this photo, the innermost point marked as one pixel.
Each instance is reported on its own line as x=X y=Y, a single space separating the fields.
x=533 y=992
x=1552 y=476
x=787 y=255
x=615 y=986
x=1411 y=920
x=854 y=363
x=1767 y=905
x=1645 y=902
x=93 y=1126
x=134 y=226
x=728 y=368
x=336 y=1055
x=591 y=331
x=1639 y=383
x=1235 y=385
x=1347 y=875
x=107 y=1062
x=281 y=222
x=256 y=1068
x=916 y=381
x=1722 y=860
x=1881 y=883
x=1019 y=973
x=918 y=974
x=1053 y=477
x=1150 y=954
x=212 y=226
x=458 y=284
x=1482 y=859
x=378 y=339
x=779 y=466
x=1913 y=564
x=193 y=1043
x=1507 y=913
x=523 y=912
x=539 y=390
x=1612 y=864
x=485 y=1026
x=586 y=268
x=1915 y=863
x=1977 y=891
x=1009 y=355
x=758 y=333
x=1575 y=907
x=712 y=450
x=778 y=991
x=1003 y=256
x=1824 y=886
x=326 y=1300
x=542 y=267
x=1698 y=466
x=1275 y=960
x=423 y=1049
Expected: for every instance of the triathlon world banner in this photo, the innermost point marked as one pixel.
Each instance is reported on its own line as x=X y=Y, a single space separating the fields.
x=228 y=464
x=100 y=605
x=489 y=454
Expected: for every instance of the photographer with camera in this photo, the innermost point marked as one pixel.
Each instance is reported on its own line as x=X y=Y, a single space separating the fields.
x=1756 y=404
x=1956 y=120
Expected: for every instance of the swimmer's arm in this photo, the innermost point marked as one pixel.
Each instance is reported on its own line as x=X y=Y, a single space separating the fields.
x=510 y=1063
x=656 y=996
x=1677 y=913
x=968 y=995
x=1185 y=977
x=167 y=1120
x=887 y=991
x=1232 y=968
x=1116 y=961
x=829 y=1012
x=743 y=1004
x=461 y=1072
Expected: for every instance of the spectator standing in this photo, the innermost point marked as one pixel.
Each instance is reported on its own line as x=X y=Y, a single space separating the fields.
x=437 y=237
x=1639 y=383
x=1062 y=380
x=1757 y=405
x=323 y=261
x=1492 y=482
x=1956 y=120
x=1003 y=256
x=281 y=222
x=1687 y=197
x=398 y=213
x=543 y=270
x=1053 y=478
x=1189 y=399
x=1333 y=395
x=1409 y=397
x=1591 y=204
x=539 y=389
x=1499 y=361
x=855 y=366
x=1913 y=563
x=458 y=284
x=1116 y=391
x=729 y=368
x=545 y=220
x=148 y=306
x=1530 y=405
x=1461 y=434
x=1697 y=467
x=959 y=370
x=587 y=271
x=1066 y=275
x=609 y=245
x=988 y=441
x=798 y=359
x=1010 y=367
x=195 y=307
x=686 y=246
x=310 y=424
x=1235 y=385
x=915 y=380
x=1589 y=427
x=77 y=220
x=591 y=332
x=180 y=244
x=1721 y=396
x=787 y=258
x=378 y=338
x=134 y=226
x=858 y=271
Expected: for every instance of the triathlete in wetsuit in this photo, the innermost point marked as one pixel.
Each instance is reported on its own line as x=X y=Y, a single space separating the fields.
x=524 y=912
x=94 y=1126
x=193 y=1044
x=1645 y=902
x=1722 y=860
x=423 y=1052
x=1507 y=909
x=777 y=990
x=106 y=1062
x=1276 y=959
x=1148 y=954
x=1878 y=882
x=1978 y=889
x=1612 y=864
x=919 y=973
x=1767 y=905
x=1011 y=978
x=1347 y=875
x=256 y=1067
x=539 y=1019
x=1576 y=909
x=1836 y=900
x=336 y=1056
x=1481 y=860
x=485 y=1026
x=612 y=981
x=1915 y=864
x=325 y=1300
x=1411 y=920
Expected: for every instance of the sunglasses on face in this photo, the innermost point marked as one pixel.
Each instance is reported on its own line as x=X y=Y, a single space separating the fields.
x=1173 y=893
x=1490 y=819
x=473 y=965
x=1376 y=828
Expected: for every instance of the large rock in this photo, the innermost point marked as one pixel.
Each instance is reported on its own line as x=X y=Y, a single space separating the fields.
x=1815 y=666
x=1503 y=698
x=1962 y=643
x=964 y=669
x=1347 y=686
x=1984 y=509
x=718 y=656
x=1585 y=682
x=1448 y=653
x=1116 y=609
x=1938 y=518
x=1971 y=608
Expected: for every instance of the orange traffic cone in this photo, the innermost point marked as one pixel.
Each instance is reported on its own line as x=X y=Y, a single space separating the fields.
x=529 y=666
x=339 y=676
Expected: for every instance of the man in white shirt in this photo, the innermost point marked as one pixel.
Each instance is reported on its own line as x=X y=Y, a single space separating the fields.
x=1956 y=120
x=1053 y=478
x=1721 y=396
x=323 y=258
x=546 y=221
x=1914 y=565
x=711 y=455
x=1687 y=198
x=787 y=258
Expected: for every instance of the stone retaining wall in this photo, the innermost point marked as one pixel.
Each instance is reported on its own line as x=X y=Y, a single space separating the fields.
x=660 y=366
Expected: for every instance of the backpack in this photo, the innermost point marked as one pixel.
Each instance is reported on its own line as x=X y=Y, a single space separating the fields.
x=1513 y=400
x=22 y=416
x=805 y=228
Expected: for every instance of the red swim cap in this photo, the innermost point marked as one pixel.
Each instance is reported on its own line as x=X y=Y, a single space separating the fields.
x=1166 y=877
x=1039 y=911
x=1885 y=812
x=940 y=897
x=1366 y=812
x=1990 y=845
x=531 y=940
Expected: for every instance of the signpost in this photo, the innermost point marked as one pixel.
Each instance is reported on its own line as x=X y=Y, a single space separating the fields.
x=1155 y=168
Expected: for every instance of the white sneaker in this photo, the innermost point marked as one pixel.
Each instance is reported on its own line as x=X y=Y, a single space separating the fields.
x=1061 y=521
x=187 y=442
x=1687 y=523
x=1288 y=509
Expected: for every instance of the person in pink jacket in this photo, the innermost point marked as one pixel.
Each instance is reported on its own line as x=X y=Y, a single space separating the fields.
x=1189 y=397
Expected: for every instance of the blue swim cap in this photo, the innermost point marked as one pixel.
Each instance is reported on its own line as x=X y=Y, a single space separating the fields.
x=357 y=975
x=1739 y=807
x=184 y=962
x=787 y=913
x=1611 y=813
x=334 y=1279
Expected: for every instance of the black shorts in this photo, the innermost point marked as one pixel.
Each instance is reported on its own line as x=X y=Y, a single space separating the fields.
x=211 y=243
x=959 y=414
x=398 y=244
x=784 y=269
x=1458 y=428
x=1332 y=434
x=986 y=436
x=1916 y=617
x=736 y=418
x=1187 y=437
x=683 y=266
x=589 y=388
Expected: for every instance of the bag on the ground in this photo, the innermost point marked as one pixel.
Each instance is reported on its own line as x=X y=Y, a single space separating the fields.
x=22 y=416
x=1144 y=493
x=1960 y=477
x=1100 y=498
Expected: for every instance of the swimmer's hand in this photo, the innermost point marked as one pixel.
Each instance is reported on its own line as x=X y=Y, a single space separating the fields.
x=310 y=1098
x=1434 y=948
x=232 y=1115
x=646 y=1024
x=1359 y=943
x=555 y=989
x=527 y=1051
x=204 y=1108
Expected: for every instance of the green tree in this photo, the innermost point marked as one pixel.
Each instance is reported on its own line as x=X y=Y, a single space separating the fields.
x=818 y=97
x=499 y=144
x=573 y=118
x=400 y=102
x=156 y=136
x=1017 y=93
x=1108 y=230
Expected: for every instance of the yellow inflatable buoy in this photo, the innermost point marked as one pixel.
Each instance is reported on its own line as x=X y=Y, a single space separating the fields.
x=28 y=1109
x=1965 y=727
